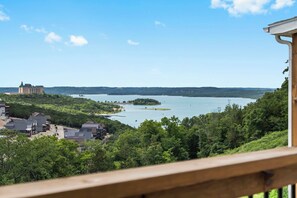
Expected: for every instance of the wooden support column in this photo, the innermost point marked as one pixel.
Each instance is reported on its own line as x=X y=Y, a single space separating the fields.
x=294 y=93
x=294 y=90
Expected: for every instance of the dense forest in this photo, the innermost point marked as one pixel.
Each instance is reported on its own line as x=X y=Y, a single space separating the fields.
x=62 y=103
x=151 y=143
x=170 y=91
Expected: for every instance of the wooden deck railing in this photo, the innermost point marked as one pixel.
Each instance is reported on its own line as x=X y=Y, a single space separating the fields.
x=225 y=176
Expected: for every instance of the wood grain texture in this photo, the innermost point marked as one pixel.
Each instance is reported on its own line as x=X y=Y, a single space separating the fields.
x=235 y=186
x=151 y=179
x=294 y=89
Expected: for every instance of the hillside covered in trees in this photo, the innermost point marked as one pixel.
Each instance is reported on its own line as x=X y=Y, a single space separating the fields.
x=151 y=143
x=64 y=110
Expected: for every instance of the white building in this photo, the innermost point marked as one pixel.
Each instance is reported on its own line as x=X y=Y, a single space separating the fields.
x=3 y=111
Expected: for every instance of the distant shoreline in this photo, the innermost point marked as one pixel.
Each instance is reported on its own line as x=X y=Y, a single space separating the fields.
x=253 y=93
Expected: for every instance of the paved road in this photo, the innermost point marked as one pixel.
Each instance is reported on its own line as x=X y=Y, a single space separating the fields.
x=55 y=130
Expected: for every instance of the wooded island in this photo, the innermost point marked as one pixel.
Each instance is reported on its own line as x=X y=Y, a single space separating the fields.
x=144 y=101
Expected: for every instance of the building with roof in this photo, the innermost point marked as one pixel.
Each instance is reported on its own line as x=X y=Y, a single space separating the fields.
x=98 y=130
x=42 y=121
x=88 y=131
x=287 y=27
x=30 y=89
x=4 y=111
x=77 y=135
x=24 y=126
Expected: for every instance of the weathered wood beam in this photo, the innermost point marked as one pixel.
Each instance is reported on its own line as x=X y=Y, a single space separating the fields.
x=236 y=186
x=294 y=90
x=161 y=178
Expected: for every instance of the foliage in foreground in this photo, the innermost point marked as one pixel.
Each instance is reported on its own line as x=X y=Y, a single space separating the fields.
x=24 y=160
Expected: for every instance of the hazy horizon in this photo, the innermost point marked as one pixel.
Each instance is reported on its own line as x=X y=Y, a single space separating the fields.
x=58 y=86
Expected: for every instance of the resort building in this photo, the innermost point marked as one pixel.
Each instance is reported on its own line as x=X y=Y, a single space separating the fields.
x=30 y=89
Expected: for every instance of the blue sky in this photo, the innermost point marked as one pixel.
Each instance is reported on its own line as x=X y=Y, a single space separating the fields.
x=168 y=43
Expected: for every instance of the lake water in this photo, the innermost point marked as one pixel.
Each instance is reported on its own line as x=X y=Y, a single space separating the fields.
x=179 y=106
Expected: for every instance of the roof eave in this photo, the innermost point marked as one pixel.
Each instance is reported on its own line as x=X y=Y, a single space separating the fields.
x=287 y=28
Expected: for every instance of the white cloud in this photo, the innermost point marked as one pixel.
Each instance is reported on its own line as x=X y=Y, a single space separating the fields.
x=240 y=7
x=26 y=28
x=133 y=43
x=32 y=29
x=279 y=4
x=160 y=24
x=52 y=37
x=3 y=16
x=219 y=4
x=248 y=6
x=78 y=40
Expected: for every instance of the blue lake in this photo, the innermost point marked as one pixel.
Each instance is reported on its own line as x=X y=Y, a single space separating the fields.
x=179 y=106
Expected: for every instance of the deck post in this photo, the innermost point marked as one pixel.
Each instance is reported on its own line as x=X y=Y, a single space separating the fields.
x=294 y=90
x=294 y=93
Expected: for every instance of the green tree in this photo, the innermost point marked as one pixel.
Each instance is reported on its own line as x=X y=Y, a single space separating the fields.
x=96 y=157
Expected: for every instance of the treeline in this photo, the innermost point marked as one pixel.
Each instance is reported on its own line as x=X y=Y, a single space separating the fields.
x=170 y=91
x=62 y=102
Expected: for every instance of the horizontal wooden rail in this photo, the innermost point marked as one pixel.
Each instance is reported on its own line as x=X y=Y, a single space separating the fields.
x=224 y=176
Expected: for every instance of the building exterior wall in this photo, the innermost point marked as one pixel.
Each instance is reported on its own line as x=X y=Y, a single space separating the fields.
x=29 y=89
x=22 y=125
x=2 y=112
x=41 y=120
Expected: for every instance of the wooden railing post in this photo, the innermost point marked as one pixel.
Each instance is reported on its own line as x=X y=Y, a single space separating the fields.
x=294 y=89
x=294 y=92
